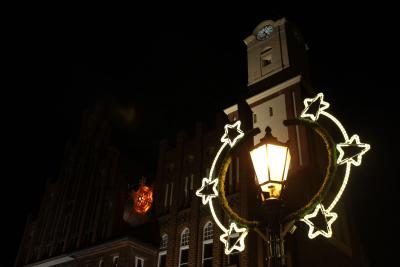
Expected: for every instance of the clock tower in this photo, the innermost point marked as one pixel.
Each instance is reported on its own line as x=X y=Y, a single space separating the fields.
x=275 y=51
x=278 y=81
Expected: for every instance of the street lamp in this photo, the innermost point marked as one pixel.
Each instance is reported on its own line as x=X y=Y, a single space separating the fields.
x=271 y=160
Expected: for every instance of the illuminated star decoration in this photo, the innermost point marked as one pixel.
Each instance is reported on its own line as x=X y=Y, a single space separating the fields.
x=311 y=102
x=208 y=190
x=239 y=133
x=330 y=217
x=238 y=244
x=352 y=159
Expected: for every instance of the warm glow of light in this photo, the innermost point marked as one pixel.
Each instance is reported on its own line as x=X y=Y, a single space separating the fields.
x=271 y=164
x=143 y=199
x=274 y=189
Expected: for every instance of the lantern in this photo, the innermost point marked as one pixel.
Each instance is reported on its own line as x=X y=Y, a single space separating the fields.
x=142 y=199
x=271 y=160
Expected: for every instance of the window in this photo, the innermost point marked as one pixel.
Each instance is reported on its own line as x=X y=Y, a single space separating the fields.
x=162 y=255
x=184 y=248
x=139 y=262
x=254 y=118
x=271 y=112
x=162 y=259
x=207 y=256
x=266 y=60
x=164 y=242
x=266 y=56
x=115 y=261
x=233 y=258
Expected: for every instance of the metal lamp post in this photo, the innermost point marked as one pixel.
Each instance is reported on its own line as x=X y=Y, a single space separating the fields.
x=271 y=160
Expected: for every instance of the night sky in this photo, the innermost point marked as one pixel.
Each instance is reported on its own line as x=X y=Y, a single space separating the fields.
x=161 y=74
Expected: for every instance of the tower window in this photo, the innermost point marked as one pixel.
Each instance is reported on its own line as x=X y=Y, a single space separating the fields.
x=271 y=112
x=266 y=56
x=266 y=60
x=254 y=118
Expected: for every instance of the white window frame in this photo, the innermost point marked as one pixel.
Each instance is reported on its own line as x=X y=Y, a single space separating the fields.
x=114 y=259
x=207 y=241
x=137 y=259
x=184 y=244
x=160 y=254
x=162 y=247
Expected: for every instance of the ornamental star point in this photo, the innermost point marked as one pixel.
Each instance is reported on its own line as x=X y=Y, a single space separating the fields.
x=308 y=102
x=239 y=243
x=312 y=232
x=354 y=141
x=205 y=186
x=226 y=139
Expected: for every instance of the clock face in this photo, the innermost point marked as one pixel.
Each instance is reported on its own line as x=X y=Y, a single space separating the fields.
x=265 y=32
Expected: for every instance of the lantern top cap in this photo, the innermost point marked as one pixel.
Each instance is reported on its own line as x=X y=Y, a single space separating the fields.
x=270 y=139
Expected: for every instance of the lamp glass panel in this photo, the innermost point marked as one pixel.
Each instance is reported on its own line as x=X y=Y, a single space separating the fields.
x=259 y=159
x=278 y=159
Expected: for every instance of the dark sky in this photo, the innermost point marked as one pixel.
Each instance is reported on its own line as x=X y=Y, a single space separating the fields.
x=171 y=70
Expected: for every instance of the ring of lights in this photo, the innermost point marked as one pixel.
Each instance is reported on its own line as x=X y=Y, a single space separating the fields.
x=317 y=198
x=315 y=203
x=330 y=169
x=352 y=141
